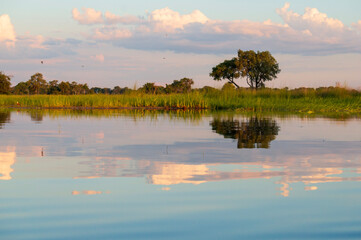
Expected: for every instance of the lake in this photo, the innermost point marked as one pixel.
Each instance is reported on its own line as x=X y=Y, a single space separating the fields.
x=178 y=175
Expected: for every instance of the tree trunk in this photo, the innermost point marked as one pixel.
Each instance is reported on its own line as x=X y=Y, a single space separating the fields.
x=235 y=84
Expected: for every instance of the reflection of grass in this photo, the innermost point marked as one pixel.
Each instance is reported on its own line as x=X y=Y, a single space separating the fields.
x=188 y=115
x=309 y=101
x=134 y=114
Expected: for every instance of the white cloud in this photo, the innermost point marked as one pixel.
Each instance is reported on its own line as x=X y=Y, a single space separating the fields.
x=7 y=32
x=314 y=23
x=111 y=18
x=312 y=19
x=310 y=33
x=167 y=20
x=89 y=16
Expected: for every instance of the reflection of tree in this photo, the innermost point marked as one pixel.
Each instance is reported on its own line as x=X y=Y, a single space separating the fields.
x=4 y=118
x=256 y=132
x=36 y=116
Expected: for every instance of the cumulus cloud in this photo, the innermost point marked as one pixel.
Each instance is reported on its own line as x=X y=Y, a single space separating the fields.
x=167 y=20
x=311 y=19
x=311 y=33
x=314 y=23
x=7 y=32
x=88 y=16
x=111 y=18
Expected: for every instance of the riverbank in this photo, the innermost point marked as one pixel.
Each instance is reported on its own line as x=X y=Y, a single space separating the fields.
x=265 y=100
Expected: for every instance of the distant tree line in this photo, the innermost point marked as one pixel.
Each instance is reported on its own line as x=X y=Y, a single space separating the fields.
x=38 y=85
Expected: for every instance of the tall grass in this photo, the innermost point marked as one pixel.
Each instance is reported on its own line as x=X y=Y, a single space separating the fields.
x=274 y=100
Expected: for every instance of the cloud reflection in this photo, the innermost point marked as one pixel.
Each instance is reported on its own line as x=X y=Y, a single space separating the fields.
x=206 y=152
x=282 y=169
x=172 y=173
x=88 y=192
x=7 y=159
x=285 y=163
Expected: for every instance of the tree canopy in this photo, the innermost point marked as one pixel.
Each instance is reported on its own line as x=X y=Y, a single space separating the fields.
x=256 y=67
x=37 y=84
x=180 y=86
x=226 y=70
x=4 y=83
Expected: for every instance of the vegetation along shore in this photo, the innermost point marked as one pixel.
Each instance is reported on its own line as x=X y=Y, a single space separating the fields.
x=332 y=99
x=255 y=67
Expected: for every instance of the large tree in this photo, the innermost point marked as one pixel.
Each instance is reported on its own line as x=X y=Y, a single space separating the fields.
x=37 y=84
x=4 y=83
x=21 y=88
x=256 y=67
x=226 y=70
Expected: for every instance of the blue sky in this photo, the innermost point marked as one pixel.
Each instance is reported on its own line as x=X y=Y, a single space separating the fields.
x=127 y=43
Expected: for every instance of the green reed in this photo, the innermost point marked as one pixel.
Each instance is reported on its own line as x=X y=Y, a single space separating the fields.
x=322 y=100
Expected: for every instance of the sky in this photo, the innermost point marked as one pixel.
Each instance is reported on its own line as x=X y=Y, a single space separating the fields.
x=129 y=43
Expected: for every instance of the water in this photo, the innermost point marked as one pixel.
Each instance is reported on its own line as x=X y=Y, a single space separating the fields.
x=136 y=175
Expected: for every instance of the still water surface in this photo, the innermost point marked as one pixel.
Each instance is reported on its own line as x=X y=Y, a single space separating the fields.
x=136 y=175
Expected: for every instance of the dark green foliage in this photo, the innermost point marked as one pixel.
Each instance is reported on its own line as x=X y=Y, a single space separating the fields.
x=119 y=90
x=37 y=84
x=53 y=87
x=21 y=88
x=151 y=88
x=5 y=83
x=257 y=67
x=226 y=70
x=255 y=132
x=180 y=86
x=97 y=90
x=78 y=88
x=65 y=88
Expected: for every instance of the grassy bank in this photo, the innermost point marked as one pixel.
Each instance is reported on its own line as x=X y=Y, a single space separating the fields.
x=264 y=100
